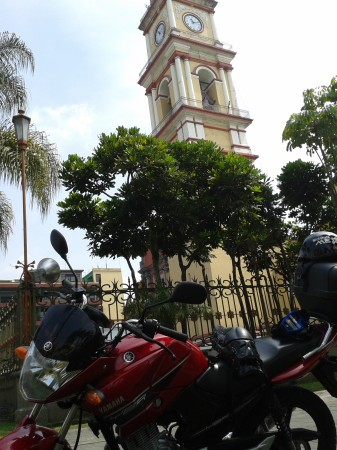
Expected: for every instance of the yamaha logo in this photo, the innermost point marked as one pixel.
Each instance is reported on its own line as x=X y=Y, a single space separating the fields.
x=47 y=346
x=129 y=357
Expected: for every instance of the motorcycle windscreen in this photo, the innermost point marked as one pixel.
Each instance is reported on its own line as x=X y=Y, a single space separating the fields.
x=68 y=334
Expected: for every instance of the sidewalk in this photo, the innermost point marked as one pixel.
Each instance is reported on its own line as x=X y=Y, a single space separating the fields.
x=89 y=441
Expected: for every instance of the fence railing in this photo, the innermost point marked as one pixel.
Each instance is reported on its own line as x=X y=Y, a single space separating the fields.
x=9 y=336
x=257 y=305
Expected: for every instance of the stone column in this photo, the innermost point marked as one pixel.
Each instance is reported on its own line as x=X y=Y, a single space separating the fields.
x=172 y=19
x=155 y=110
x=174 y=82
x=191 y=93
x=148 y=45
x=232 y=90
x=224 y=86
x=152 y=118
x=181 y=84
x=215 y=33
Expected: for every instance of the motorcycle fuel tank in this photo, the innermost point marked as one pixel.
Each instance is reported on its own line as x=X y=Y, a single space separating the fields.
x=145 y=379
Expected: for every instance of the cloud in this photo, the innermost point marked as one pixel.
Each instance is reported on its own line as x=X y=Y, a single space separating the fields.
x=71 y=127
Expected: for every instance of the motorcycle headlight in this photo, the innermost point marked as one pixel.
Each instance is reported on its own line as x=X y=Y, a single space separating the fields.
x=40 y=377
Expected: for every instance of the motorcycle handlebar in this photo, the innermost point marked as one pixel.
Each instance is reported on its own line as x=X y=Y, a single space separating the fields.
x=151 y=326
x=67 y=284
x=153 y=323
x=172 y=333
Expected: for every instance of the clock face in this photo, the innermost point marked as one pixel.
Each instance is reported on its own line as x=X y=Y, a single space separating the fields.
x=193 y=22
x=160 y=33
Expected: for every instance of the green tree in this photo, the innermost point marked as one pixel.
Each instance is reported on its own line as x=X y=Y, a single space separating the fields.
x=42 y=161
x=128 y=219
x=238 y=195
x=315 y=128
x=196 y=229
x=160 y=204
x=305 y=196
x=6 y=219
x=304 y=192
x=14 y=57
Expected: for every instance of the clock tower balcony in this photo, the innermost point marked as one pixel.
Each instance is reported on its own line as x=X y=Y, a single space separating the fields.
x=192 y=120
x=227 y=113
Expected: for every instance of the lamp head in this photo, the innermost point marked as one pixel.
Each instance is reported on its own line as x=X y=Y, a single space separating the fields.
x=21 y=125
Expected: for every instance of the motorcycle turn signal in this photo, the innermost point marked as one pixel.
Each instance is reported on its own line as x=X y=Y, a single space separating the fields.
x=21 y=352
x=94 y=397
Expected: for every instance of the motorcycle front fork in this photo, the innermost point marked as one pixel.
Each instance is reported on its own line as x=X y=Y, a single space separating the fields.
x=65 y=426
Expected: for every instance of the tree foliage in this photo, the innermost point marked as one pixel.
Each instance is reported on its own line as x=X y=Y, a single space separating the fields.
x=305 y=195
x=173 y=198
x=15 y=56
x=42 y=161
x=304 y=191
x=6 y=219
x=42 y=165
x=314 y=127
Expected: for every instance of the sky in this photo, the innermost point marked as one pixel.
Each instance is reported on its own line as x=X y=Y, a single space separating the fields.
x=88 y=56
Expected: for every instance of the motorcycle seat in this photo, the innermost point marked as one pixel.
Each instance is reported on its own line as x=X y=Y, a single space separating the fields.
x=280 y=353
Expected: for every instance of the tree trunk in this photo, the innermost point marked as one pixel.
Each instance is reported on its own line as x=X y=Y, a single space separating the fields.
x=133 y=275
x=251 y=326
x=156 y=268
x=274 y=293
x=183 y=268
x=238 y=293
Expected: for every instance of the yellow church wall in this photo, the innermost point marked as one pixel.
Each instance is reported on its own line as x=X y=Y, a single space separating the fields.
x=221 y=137
x=111 y=307
x=197 y=90
x=193 y=272
x=219 y=267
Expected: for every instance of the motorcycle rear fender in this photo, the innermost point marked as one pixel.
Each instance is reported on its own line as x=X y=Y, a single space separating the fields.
x=298 y=370
x=30 y=436
x=326 y=374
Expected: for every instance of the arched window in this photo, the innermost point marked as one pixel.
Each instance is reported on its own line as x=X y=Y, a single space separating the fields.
x=208 y=90
x=164 y=98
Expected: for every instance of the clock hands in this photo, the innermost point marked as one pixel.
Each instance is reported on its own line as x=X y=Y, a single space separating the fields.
x=193 y=22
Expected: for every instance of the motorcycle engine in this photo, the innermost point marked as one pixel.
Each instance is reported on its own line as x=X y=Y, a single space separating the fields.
x=149 y=438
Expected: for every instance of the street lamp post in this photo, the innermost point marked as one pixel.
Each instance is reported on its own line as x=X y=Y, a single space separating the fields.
x=21 y=125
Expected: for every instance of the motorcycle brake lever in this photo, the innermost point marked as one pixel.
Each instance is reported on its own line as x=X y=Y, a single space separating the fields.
x=138 y=332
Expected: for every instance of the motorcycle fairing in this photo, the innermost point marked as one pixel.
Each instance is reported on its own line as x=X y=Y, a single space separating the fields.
x=96 y=370
x=29 y=435
x=67 y=333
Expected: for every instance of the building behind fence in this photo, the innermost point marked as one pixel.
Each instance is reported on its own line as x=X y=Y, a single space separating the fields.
x=256 y=305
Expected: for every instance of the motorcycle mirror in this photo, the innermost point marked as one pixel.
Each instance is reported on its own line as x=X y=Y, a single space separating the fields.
x=184 y=292
x=189 y=292
x=59 y=244
x=47 y=270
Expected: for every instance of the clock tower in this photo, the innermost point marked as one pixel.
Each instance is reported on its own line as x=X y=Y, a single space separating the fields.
x=191 y=96
x=188 y=76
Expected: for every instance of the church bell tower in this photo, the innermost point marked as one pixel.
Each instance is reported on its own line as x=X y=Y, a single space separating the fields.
x=188 y=76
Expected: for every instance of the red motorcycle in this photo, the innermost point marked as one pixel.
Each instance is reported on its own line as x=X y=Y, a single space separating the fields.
x=149 y=387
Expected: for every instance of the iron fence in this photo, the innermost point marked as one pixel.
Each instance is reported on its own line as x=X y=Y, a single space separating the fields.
x=257 y=305
x=9 y=337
